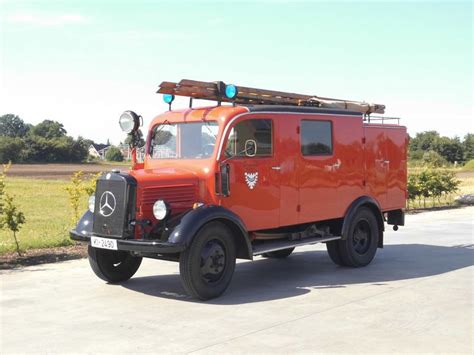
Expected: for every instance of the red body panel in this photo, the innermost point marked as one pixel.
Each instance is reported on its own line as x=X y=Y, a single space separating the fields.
x=367 y=160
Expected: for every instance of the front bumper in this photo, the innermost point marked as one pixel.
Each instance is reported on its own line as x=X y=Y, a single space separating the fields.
x=137 y=245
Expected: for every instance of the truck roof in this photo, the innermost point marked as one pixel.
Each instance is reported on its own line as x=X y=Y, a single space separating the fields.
x=223 y=113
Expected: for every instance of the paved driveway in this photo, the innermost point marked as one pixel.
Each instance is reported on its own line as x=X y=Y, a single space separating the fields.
x=416 y=296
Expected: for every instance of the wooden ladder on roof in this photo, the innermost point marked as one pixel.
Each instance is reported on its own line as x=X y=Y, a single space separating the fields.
x=215 y=91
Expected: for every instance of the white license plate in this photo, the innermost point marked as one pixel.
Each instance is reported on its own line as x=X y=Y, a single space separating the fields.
x=104 y=243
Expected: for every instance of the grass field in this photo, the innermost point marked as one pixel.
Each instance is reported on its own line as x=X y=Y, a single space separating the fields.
x=48 y=214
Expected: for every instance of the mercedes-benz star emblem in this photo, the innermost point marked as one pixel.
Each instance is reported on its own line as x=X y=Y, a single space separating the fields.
x=107 y=204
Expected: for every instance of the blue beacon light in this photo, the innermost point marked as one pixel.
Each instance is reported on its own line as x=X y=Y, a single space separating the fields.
x=231 y=91
x=168 y=98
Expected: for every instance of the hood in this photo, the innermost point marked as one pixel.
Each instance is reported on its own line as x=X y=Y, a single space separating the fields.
x=164 y=176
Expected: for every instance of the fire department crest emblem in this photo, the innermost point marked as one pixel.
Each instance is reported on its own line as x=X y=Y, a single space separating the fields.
x=251 y=179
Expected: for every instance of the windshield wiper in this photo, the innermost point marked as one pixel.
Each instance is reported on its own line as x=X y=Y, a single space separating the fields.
x=160 y=128
x=209 y=129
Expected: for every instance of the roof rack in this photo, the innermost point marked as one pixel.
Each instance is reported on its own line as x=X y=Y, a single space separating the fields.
x=382 y=119
x=220 y=92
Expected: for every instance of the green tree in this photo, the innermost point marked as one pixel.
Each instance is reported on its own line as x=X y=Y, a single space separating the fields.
x=114 y=154
x=49 y=129
x=423 y=141
x=468 y=145
x=10 y=217
x=3 y=175
x=450 y=149
x=13 y=219
x=135 y=139
x=11 y=149
x=12 y=126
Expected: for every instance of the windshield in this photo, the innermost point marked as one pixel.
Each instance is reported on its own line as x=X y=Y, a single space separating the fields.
x=195 y=140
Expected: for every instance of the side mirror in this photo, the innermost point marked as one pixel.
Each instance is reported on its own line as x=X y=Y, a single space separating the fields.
x=225 y=180
x=250 y=148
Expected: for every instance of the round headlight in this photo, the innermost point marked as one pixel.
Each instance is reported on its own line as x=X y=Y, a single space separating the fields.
x=129 y=121
x=92 y=203
x=161 y=210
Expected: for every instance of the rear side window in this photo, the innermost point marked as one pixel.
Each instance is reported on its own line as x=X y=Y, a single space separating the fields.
x=316 y=137
x=257 y=131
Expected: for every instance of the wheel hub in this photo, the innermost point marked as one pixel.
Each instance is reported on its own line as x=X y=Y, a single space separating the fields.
x=361 y=237
x=212 y=261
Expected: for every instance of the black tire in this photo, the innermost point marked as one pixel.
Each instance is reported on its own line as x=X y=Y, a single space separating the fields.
x=279 y=254
x=207 y=265
x=359 y=247
x=334 y=253
x=113 y=265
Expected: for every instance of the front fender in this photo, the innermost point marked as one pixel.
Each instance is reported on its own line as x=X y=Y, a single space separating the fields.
x=187 y=226
x=83 y=229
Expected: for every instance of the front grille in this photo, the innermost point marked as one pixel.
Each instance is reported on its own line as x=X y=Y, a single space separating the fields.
x=180 y=197
x=114 y=206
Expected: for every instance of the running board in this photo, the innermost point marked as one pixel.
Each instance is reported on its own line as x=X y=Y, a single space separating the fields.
x=274 y=245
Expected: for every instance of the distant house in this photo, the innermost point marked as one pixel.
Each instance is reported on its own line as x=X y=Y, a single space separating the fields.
x=127 y=152
x=98 y=150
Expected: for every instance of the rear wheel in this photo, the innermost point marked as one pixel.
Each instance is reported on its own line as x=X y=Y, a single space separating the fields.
x=333 y=251
x=113 y=265
x=360 y=245
x=207 y=265
x=279 y=254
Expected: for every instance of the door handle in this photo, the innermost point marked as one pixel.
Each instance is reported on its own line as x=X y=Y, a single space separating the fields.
x=386 y=162
x=276 y=167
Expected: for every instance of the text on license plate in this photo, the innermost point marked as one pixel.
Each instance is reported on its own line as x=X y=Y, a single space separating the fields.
x=104 y=243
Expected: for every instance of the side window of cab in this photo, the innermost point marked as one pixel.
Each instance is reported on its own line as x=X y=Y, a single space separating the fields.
x=250 y=138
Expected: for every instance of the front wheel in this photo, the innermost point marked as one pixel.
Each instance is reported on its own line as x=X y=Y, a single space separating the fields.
x=113 y=265
x=207 y=265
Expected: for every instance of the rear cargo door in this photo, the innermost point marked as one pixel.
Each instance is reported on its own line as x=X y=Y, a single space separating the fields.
x=318 y=173
x=376 y=163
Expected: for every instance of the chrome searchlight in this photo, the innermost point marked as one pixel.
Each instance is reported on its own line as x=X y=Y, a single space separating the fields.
x=129 y=121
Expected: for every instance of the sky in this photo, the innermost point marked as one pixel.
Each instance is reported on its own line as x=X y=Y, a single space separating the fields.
x=83 y=63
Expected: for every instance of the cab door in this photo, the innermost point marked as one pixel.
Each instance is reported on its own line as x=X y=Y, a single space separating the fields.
x=250 y=152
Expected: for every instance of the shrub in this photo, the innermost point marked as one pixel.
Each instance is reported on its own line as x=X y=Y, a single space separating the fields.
x=469 y=165
x=10 y=217
x=433 y=159
x=431 y=183
x=78 y=187
x=114 y=154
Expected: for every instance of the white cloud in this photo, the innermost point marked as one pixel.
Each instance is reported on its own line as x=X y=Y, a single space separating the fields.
x=45 y=20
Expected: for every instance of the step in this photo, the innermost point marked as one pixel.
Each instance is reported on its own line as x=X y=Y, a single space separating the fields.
x=279 y=244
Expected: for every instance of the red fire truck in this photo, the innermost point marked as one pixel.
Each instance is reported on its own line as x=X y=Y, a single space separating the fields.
x=257 y=174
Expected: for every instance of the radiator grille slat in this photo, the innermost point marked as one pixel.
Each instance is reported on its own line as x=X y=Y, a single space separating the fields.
x=179 y=197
